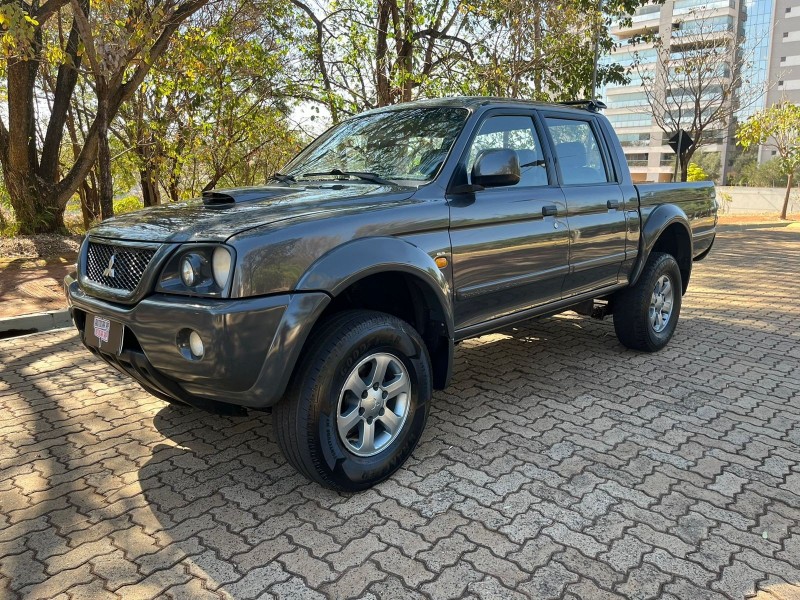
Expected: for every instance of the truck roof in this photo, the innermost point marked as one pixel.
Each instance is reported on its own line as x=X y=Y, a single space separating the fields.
x=473 y=102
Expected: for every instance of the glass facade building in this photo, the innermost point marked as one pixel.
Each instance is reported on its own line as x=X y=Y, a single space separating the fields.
x=753 y=25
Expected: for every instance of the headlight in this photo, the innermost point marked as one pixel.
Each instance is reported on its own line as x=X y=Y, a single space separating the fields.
x=198 y=270
x=221 y=265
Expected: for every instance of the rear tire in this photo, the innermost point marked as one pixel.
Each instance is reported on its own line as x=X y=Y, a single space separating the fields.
x=358 y=401
x=646 y=314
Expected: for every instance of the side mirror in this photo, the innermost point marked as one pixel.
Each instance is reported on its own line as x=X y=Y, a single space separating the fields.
x=495 y=168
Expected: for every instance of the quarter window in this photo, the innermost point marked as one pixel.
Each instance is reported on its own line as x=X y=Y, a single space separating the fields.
x=578 y=152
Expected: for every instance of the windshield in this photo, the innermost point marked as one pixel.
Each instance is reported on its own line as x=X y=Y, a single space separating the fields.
x=408 y=145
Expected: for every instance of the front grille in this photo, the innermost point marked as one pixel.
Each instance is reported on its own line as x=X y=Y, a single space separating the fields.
x=126 y=271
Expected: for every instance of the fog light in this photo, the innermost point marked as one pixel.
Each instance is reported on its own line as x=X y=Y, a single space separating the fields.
x=196 y=345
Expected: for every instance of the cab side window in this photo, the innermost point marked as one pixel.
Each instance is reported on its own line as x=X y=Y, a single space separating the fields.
x=578 y=152
x=513 y=133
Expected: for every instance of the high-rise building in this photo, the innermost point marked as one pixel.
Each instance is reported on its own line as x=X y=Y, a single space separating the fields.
x=783 y=66
x=767 y=40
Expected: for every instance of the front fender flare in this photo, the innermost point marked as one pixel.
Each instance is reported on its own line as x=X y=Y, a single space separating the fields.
x=336 y=270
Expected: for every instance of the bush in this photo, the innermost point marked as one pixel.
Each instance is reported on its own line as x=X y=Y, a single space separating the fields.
x=696 y=173
x=127 y=204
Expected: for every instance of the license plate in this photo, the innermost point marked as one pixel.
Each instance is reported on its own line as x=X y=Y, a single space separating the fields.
x=103 y=333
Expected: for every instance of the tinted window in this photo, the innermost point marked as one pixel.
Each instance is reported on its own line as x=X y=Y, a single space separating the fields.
x=577 y=150
x=513 y=133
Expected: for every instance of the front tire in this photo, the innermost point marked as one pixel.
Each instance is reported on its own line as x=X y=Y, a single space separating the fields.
x=646 y=314
x=358 y=402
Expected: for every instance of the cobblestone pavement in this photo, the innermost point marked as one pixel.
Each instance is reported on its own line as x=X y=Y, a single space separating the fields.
x=557 y=465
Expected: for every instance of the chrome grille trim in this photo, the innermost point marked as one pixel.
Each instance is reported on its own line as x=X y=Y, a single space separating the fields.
x=129 y=265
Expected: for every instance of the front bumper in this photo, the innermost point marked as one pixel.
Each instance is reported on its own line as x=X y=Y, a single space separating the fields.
x=252 y=344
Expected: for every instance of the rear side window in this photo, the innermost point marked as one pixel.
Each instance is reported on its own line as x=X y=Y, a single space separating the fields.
x=578 y=152
x=513 y=133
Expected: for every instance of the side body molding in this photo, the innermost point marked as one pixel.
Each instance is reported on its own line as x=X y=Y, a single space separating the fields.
x=336 y=270
x=655 y=223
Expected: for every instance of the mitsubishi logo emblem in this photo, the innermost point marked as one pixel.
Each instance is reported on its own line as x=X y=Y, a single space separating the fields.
x=109 y=272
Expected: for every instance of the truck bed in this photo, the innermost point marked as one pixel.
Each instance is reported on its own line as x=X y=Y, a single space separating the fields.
x=696 y=199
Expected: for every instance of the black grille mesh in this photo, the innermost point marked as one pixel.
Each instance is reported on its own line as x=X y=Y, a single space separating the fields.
x=129 y=266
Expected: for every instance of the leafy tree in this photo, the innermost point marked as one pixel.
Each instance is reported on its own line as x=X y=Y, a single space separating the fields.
x=365 y=53
x=698 y=83
x=776 y=127
x=545 y=49
x=121 y=41
x=744 y=163
x=216 y=105
x=710 y=163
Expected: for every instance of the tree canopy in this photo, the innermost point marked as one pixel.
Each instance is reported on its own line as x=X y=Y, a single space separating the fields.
x=776 y=127
x=178 y=96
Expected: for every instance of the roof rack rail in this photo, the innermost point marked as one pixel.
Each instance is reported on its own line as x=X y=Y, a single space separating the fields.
x=590 y=105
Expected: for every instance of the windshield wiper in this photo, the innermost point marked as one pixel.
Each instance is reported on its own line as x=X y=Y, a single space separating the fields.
x=373 y=177
x=283 y=178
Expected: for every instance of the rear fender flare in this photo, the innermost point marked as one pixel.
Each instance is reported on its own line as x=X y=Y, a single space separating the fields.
x=659 y=220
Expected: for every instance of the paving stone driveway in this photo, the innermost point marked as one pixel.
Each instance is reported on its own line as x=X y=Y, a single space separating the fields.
x=557 y=465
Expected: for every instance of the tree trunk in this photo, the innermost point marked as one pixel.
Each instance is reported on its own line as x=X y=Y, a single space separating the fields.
x=33 y=204
x=382 y=83
x=150 y=192
x=39 y=201
x=90 y=202
x=537 y=49
x=106 y=184
x=684 y=163
x=789 y=183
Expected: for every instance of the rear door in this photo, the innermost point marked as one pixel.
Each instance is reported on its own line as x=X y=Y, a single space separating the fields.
x=510 y=244
x=595 y=202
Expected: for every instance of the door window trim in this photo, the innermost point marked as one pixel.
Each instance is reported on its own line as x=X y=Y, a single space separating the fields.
x=611 y=174
x=461 y=165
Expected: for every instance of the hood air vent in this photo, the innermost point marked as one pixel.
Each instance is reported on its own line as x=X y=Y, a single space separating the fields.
x=212 y=198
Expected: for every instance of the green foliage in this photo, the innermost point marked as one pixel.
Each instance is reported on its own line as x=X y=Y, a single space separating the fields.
x=17 y=31
x=218 y=107
x=709 y=162
x=127 y=204
x=775 y=127
x=215 y=110
x=696 y=173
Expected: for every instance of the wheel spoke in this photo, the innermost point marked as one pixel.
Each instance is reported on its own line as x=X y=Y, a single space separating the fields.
x=378 y=374
x=667 y=287
x=667 y=308
x=390 y=421
x=367 y=437
x=355 y=384
x=397 y=385
x=347 y=422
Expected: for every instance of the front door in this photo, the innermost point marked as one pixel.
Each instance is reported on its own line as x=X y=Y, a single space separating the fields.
x=510 y=244
x=595 y=204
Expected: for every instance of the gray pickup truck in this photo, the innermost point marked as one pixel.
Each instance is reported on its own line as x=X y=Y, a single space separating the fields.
x=335 y=295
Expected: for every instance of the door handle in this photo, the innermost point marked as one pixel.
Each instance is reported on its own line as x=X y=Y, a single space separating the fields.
x=612 y=204
x=550 y=210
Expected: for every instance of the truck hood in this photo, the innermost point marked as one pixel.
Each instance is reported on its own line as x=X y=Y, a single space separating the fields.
x=233 y=211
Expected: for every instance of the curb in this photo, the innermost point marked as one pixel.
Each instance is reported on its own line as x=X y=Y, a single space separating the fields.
x=758 y=225
x=14 y=326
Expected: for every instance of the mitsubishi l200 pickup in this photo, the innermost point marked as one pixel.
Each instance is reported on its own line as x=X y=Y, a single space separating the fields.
x=335 y=294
